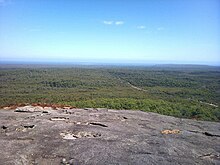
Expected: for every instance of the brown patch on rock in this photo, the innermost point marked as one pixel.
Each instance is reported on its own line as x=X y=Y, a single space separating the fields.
x=174 y=131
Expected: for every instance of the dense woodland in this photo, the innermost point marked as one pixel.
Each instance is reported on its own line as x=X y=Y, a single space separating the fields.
x=181 y=91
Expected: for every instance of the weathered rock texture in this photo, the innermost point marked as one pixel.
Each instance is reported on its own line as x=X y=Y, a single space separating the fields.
x=34 y=135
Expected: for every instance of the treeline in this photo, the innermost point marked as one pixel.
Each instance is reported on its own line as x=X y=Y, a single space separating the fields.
x=184 y=110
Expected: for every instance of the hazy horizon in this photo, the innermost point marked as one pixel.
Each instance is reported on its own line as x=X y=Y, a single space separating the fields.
x=100 y=62
x=116 y=31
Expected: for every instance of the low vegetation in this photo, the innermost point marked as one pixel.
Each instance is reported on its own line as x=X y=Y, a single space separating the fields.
x=181 y=91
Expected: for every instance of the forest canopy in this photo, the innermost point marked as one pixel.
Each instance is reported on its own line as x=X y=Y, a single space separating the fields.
x=186 y=92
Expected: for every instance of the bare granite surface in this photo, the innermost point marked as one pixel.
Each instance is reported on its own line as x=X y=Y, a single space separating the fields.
x=36 y=135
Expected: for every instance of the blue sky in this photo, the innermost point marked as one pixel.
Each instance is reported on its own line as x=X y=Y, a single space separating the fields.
x=136 y=31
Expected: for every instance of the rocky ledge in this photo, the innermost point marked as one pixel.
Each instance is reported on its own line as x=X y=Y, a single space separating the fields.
x=41 y=135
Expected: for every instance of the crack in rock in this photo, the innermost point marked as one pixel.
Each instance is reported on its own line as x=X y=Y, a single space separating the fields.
x=205 y=133
x=98 y=124
x=4 y=127
x=210 y=155
x=29 y=126
x=210 y=134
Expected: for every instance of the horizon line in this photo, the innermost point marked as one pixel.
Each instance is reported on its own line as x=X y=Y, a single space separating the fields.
x=78 y=62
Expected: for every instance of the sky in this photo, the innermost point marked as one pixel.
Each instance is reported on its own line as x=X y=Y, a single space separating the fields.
x=133 y=31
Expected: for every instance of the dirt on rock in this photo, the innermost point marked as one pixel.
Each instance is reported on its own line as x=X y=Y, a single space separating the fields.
x=42 y=135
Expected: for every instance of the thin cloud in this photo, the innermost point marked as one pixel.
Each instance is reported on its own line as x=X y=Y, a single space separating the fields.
x=108 y=22
x=160 y=28
x=141 y=27
x=113 y=22
x=119 y=23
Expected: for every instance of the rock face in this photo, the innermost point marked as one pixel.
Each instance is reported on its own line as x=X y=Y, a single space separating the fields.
x=101 y=136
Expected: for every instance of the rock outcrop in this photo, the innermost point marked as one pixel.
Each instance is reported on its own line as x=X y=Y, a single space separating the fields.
x=33 y=135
